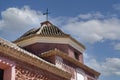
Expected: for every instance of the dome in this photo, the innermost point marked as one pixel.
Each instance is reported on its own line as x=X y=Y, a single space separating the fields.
x=46 y=29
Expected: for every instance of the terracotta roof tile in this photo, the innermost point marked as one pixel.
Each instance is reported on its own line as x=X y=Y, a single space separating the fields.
x=46 y=29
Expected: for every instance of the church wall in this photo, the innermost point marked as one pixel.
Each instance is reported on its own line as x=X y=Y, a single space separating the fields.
x=17 y=70
x=38 y=48
x=67 y=64
x=72 y=52
x=50 y=59
x=25 y=74
x=8 y=67
x=71 y=68
x=54 y=40
x=32 y=73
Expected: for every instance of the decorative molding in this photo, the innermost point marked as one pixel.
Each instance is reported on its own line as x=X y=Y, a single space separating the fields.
x=61 y=40
x=23 y=74
x=8 y=67
x=6 y=63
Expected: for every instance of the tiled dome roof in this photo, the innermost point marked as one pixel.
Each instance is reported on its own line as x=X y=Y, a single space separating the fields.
x=46 y=29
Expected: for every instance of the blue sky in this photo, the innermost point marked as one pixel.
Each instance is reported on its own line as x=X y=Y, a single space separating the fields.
x=95 y=23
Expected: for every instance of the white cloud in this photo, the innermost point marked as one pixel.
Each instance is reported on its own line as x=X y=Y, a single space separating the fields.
x=117 y=46
x=96 y=15
x=111 y=66
x=15 y=21
x=94 y=30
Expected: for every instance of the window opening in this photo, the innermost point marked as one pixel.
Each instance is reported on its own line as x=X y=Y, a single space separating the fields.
x=76 y=55
x=1 y=74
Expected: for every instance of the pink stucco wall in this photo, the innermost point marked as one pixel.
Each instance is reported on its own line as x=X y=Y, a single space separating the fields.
x=8 y=67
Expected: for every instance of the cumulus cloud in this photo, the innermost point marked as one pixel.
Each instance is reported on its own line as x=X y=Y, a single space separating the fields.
x=96 y=15
x=15 y=21
x=91 y=27
x=95 y=29
x=108 y=67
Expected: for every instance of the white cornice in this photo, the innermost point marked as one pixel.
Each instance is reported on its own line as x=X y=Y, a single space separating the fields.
x=61 y=40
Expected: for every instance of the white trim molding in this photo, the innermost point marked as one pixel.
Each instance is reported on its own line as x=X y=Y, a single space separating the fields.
x=37 y=39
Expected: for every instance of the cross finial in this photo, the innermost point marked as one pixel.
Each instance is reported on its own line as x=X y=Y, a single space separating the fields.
x=46 y=13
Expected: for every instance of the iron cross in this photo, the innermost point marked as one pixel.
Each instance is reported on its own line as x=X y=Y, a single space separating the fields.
x=46 y=13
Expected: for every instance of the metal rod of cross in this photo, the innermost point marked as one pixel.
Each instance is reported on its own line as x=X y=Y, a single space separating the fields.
x=46 y=13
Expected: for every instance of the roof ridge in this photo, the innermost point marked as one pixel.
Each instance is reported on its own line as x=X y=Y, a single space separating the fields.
x=40 y=29
x=46 y=29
